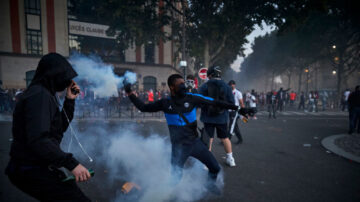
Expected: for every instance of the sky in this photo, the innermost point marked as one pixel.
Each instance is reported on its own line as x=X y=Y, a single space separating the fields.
x=257 y=32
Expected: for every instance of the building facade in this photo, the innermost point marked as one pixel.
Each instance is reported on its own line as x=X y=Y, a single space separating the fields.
x=33 y=28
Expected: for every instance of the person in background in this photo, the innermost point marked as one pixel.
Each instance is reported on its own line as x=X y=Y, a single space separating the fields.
x=213 y=117
x=345 y=98
x=324 y=98
x=253 y=101
x=190 y=84
x=292 y=98
x=354 y=110
x=302 y=101
x=150 y=96
x=271 y=103
x=238 y=102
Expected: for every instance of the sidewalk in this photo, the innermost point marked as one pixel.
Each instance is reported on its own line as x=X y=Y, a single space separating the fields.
x=347 y=146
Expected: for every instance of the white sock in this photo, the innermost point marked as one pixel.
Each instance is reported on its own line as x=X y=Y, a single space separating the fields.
x=229 y=155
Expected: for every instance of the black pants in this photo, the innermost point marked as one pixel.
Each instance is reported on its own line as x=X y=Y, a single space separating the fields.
x=301 y=105
x=236 y=128
x=354 y=115
x=272 y=110
x=181 y=152
x=43 y=183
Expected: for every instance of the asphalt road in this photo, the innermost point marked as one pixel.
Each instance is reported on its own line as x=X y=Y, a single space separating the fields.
x=272 y=163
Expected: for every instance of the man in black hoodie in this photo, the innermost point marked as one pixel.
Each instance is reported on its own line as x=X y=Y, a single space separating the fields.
x=38 y=127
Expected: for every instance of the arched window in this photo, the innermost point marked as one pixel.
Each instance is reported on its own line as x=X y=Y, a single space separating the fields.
x=149 y=83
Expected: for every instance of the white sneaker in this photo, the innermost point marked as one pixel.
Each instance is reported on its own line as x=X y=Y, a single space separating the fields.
x=230 y=162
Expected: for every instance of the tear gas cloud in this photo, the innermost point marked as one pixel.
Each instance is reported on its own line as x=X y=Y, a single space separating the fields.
x=129 y=156
x=100 y=76
x=125 y=152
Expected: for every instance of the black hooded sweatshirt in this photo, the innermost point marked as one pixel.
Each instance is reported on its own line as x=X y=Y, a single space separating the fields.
x=38 y=123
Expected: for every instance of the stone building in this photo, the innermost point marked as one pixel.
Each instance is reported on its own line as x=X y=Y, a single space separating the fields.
x=33 y=28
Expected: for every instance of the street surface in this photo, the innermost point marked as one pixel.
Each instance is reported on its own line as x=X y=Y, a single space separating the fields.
x=273 y=164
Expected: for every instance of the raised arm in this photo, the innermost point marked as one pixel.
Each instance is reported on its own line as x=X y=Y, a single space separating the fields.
x=152 y=107
x=204 y=100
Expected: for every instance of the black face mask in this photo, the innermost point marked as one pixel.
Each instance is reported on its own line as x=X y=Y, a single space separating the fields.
x=181 y=91
x=60 y=84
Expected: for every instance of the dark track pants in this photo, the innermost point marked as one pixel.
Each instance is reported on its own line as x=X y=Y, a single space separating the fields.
x=198 y=150
x=44 y=184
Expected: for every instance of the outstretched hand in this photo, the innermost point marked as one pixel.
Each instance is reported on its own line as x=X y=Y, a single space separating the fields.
x=127 y=87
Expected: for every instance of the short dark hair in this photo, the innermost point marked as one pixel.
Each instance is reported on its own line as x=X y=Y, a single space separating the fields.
x=190 y=77
x=172 y=78
x=231 y=82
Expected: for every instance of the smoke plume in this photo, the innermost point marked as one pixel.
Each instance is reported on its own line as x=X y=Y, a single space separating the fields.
x=100 y=76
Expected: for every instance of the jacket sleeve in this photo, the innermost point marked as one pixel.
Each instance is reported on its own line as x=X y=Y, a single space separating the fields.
x=152 y=107
x=67 y=113
x=204 y=100
x=38 y=113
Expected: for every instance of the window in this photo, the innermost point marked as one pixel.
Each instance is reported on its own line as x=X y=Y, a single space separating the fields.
x=33 y=27
x=150 y=52
x=149 y=83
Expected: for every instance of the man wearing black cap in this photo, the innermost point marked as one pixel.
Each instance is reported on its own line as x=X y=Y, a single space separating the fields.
x=214 y=117
x=38 y=127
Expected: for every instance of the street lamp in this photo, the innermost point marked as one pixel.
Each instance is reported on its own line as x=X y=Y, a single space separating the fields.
x=183 y=64
x=334 y=47
x=334 y=72
x=307 y=70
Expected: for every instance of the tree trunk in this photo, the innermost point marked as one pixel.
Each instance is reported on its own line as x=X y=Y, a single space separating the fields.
x=338 y=85
x=289 y=80
x=272 y=80
x=207 y=54
x=300 y=81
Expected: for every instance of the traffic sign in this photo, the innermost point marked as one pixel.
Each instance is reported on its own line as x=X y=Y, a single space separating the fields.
x=202 y=73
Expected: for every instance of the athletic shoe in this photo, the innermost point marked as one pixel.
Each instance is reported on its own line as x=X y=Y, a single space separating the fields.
x=230 y=162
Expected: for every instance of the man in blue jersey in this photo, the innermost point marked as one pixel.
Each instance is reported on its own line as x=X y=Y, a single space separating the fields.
x=180 y=113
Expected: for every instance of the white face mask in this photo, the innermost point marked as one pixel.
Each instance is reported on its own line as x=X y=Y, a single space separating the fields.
x=190 y=83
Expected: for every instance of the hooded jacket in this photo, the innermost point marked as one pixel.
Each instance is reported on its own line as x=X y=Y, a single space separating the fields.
x=38 y=123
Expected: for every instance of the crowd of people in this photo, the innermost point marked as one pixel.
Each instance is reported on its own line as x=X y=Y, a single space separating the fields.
x=39 y=125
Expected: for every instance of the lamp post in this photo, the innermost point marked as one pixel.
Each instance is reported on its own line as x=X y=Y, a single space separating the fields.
x=307 y=80
x=183 y=64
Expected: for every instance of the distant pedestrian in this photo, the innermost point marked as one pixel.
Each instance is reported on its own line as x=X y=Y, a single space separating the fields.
x=271 y=102
x=292 y=98
x=345 y=99
x=302 y=101
x=238 y=98
x=324 y=98
x=354 y=109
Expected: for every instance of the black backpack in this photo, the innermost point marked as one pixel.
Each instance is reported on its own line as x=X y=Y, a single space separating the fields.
x=218 y=93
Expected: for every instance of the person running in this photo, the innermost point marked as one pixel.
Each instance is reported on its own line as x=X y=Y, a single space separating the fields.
x=215 y=118
x=238 y=102
x=180 y=113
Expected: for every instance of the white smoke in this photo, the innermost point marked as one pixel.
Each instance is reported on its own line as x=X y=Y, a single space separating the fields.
x=278 y=80
x=145 y=161
x=104 y=82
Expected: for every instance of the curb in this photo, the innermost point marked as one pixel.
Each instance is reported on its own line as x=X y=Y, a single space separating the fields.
x=329 y=144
